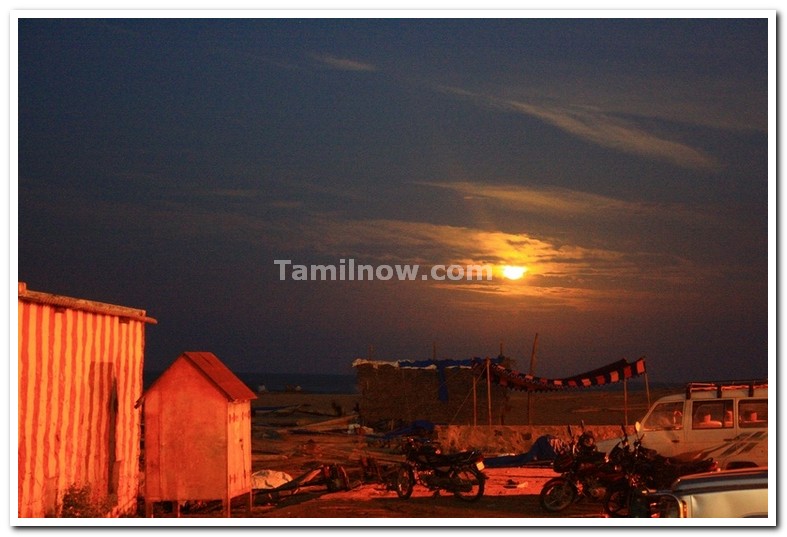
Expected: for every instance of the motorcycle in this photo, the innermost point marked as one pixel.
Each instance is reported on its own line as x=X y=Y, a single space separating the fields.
x=425 y=464
x=585 y=473
x=645 y=471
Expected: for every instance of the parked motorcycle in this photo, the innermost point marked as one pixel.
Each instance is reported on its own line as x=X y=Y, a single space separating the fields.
x=585 y=473
x=426 y=464
x=644 y=471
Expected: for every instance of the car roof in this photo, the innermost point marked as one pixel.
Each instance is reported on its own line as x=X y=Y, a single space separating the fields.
x=728 y=479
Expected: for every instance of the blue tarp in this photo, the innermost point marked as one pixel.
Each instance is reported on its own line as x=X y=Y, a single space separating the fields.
x=415 y=428
x=545 y=448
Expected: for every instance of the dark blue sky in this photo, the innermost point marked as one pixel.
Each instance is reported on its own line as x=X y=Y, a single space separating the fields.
x=165 y=164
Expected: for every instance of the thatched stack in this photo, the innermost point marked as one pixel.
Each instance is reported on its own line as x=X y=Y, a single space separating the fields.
x=400 y=394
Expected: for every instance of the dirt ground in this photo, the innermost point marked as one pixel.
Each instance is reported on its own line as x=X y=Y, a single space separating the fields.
x=290 y=440
x=510 y=493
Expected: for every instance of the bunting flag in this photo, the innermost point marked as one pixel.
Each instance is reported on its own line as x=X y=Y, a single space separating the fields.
x=609 y=374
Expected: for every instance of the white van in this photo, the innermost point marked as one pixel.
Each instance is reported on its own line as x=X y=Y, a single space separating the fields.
x=724 y=420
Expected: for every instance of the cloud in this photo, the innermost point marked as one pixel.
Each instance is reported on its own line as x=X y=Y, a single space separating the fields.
x=602 y=128
x=560 y=274
x=572 y=275
x=231 y=193
x=344 y=64
x=557 y=202
x=608 y=131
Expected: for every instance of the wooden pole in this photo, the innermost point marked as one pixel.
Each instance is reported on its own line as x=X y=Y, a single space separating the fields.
x=475 y=402
x=647 y=389
x=625 y=403
x=532 y=372
x=489 y=391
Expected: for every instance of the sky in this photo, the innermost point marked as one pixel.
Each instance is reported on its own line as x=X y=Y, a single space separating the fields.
x=166 y=164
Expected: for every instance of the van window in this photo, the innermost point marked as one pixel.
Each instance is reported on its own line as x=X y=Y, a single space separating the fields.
x=664 y=416
x=753 y=413
x=715 y=414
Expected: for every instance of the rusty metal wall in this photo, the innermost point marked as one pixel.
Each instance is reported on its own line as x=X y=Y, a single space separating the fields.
x=79 y=375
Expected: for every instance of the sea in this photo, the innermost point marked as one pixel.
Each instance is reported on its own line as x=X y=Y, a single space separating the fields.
x=347 y=384
x=280 y=382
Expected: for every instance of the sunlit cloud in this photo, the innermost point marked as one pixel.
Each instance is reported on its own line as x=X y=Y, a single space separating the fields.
x=569 y=274
x=344 y=64
x=559 y=274
x=562 y=202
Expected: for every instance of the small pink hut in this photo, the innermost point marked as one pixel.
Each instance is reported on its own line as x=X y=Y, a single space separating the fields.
x=197 y=419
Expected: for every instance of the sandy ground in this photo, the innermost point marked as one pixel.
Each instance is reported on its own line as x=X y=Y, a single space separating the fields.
x=285 y=442
x=510 y=493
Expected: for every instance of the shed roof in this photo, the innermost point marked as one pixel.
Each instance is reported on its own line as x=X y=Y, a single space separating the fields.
x=216 y=373
x=91 y=306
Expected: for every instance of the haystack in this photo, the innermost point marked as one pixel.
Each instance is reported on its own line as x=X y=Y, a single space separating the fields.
x=448 y=392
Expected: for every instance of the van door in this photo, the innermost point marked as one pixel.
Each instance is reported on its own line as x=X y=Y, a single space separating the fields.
x=663 y=428
x=750 y=447
x=711 y=425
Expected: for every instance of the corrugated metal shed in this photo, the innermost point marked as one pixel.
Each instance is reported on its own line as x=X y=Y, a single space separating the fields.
x=79 y=375
x=197 y=417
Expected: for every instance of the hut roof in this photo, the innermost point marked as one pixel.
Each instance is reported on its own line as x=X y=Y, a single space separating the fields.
x=216 y=373
x=220 y=375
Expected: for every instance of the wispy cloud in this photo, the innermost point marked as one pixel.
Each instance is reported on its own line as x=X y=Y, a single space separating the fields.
x=603 y=128
x=343 y=64
x=231 y=193
x=561 y=202
x=608 y=131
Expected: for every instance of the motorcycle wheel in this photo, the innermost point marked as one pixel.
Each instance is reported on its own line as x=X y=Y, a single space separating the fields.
x=469 y=483
x=403 y=482
x=557 y=494
x=617 y=499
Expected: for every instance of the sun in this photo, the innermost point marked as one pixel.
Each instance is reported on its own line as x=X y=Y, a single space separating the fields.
x=513 y=272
